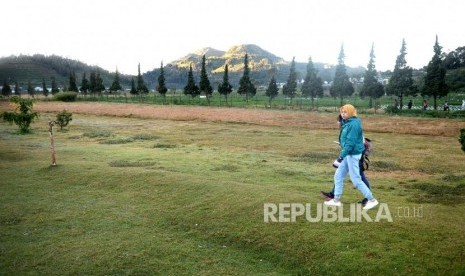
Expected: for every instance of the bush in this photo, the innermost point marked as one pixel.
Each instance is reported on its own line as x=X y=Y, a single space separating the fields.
x=462 y=138
x=63 y=119
x=65 y=96
x=24 y=117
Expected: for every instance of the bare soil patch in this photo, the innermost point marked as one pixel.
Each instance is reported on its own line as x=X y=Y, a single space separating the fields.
x=304 y=119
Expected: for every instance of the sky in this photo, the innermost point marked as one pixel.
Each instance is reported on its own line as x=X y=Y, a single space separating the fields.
x=121 y=33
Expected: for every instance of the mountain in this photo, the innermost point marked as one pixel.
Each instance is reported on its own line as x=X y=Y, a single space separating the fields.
x=262 y=64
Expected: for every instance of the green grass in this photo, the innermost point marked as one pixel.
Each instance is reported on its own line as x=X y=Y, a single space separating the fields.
x=186 y=198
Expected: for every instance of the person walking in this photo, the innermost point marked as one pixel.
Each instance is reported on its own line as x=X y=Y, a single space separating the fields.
x=351 y=141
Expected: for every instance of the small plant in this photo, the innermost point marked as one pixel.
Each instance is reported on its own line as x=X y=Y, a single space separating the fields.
x=462 y=138
x=23 y=114
x=63 y=118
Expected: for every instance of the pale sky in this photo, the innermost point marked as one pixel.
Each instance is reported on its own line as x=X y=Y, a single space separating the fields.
x=117 y=33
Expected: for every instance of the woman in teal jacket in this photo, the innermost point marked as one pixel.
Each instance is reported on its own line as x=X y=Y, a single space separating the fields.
x=352 y=147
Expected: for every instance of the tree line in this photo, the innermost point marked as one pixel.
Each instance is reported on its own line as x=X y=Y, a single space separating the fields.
x=400 y=84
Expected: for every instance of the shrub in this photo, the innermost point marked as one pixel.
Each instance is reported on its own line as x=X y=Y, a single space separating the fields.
x=24 y=117
x=63 y=119
x=65 y=96
x=462 y=138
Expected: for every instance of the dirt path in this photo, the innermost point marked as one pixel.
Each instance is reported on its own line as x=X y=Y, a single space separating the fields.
x=311 y=120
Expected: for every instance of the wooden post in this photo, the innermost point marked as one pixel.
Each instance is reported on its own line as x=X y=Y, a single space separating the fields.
x=52 y=144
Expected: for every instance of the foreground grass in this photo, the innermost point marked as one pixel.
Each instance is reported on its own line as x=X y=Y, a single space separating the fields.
x=141 y=196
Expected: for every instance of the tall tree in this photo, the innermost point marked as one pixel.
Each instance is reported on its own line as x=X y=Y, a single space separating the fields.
x=72 y=82
x=341 y=84
x=371 y=86
x=30 y=89
x=290 y=88
x=191 y=88
x=99 y=87
x=401 y=82
x=435 y=79
x=225 y=88
x=54 y=87
x=133 y=87
x=93 y=83
x=161 y=88
x=17 y=89
x=6 y=89
x=204 y=84
x=272 y=90
x=44 y=88
x=84 y=84
x=141 y=87
x=313 y=85
x=246 y=86
x=116 y=86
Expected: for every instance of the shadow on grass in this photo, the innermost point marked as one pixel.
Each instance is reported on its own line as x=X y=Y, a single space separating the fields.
x=439 y=194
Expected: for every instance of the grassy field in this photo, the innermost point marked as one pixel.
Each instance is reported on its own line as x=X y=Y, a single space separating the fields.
x=144 y=190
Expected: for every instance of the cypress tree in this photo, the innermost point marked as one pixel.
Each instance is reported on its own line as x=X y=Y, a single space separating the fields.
x=30 y=89
x=17 y=89
x=84 y=84
x=225 y=88
x=6 y=89
x=44 y=88
x=341 y=85
x=313 y=85
x=141 y=87
x=161 y=88
x=272 y=90
x=371 y=86
x=246 y=87
x=290 y=88
x=401 y=82
x=204 y=84
x=133 y=88
x=54 y=87
x=435 y=83
x=191 y=88
x=93 y=83
x=116 y=86
x=72 y=82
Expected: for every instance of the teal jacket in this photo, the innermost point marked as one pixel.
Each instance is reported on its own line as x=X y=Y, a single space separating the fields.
x=351 y=137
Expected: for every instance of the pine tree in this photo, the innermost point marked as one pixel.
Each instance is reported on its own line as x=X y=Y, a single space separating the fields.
x=246 y=87
x=290 y=88
x=54 y=87
x=401 y=82
x=161 y=88
x=99 y=87
x=72 y=82
x=133 y=88
x=30 y=89
x=371 y=86
x=93 y=83
x=341 y=84
x=313 y=85
x=191 y=88
x=44 y=88
x=435 y=83
x=17 y=89
x=84 y=84
x=116 y=86
x=225 y=88
x=204 y=84
x=141 y=87
x=6 y=89
x=272 y=90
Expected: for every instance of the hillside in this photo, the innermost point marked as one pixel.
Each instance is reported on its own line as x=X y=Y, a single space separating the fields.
x=38 y=67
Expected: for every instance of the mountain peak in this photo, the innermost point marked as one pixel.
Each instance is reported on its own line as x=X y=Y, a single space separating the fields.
x=208 y=52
